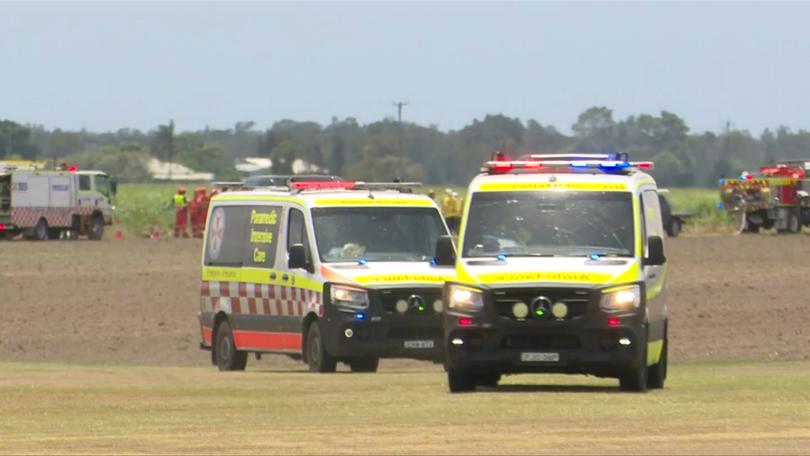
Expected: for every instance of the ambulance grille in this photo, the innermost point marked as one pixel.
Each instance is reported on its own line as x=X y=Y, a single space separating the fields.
x=427 y=295
x=577 y=300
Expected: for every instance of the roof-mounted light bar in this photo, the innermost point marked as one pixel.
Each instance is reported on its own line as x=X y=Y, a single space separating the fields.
x=503 y=167
x=352 y=185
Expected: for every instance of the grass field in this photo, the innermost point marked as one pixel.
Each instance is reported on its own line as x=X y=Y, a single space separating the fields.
x=706 y=408
x=139 y=205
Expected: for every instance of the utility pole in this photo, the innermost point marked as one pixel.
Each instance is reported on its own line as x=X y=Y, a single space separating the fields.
x=400 y=105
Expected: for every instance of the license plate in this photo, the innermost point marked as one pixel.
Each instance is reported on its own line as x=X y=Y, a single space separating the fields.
x=419 y=344
x=533 y=357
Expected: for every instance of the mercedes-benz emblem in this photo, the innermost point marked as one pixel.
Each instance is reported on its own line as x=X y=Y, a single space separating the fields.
x=416 y=301
x=541 y=303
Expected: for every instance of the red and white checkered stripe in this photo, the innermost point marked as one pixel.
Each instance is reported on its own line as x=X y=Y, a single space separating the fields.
x=26 y=217
x=259 y=299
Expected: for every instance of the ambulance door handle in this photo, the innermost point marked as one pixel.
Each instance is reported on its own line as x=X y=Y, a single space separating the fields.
x=285 y=277
x=272 y=276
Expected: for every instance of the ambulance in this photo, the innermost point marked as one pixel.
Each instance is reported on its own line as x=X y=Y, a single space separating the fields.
x=560 y=268
x=325 y=272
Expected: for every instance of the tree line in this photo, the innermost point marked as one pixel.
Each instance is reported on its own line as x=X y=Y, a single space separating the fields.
x=388 y=149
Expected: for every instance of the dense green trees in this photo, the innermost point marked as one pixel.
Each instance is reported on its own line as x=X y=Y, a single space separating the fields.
x=388 y=149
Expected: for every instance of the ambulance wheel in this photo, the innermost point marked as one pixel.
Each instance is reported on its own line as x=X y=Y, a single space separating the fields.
x=96 y=228
x=488 y=380
x=318 y=358
x=225 y=352
x=460 y=381
x=657 y=373
x=364 y=364
x=635 y=379
x=740 y=221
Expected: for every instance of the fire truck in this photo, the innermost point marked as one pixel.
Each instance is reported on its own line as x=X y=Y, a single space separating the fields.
x=49 y=204
x=775 y=197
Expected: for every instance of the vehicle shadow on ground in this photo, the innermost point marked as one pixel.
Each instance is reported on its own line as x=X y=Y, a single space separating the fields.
x=550 y=389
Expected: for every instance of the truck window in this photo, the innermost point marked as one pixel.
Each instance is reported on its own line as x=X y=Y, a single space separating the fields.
x=297 y=231
x=84 y=183
x=242 y=236
x=102 y=184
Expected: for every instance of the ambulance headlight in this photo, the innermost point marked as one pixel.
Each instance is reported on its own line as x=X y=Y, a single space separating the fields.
x=353 y=298
x=621 y=298
x=464 y=298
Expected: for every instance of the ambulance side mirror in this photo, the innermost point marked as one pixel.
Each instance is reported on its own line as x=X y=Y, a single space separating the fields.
x=445 y=251
x=655 y=252
x=298 y=257
x=113 y=186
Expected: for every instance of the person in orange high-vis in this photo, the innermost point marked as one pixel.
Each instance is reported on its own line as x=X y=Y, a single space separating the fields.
x=199 y=211
x=180 y=213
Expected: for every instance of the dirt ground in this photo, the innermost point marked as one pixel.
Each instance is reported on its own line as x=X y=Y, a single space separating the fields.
x=136 y=301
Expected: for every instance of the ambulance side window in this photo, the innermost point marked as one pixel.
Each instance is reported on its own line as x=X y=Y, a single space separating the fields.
x=225 y=239
x=652 y=213
x=84 y=183
x=297 y=231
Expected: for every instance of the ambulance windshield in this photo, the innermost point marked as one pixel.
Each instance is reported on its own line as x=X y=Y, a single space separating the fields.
x=376 y=233
x=549 y=223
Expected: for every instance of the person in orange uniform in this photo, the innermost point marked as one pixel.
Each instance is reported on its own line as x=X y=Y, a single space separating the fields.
x=180 y=213
x=199 y=211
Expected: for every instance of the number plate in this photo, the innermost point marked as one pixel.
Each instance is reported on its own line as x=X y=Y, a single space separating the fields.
x=531 y=357
x=419 y=344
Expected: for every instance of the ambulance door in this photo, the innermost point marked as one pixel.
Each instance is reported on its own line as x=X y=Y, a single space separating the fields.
x=654 y=275
x=304 y=290
x=263 y=324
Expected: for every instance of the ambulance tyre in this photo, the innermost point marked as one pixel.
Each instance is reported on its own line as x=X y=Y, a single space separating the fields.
x=227 y=356
x=96 y=228
x=635 y=379
x=318 y=358
x=657 y=373
x=460 y=380
x=364 y=364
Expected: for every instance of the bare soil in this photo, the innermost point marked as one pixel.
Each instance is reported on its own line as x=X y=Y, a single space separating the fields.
x=136 y=301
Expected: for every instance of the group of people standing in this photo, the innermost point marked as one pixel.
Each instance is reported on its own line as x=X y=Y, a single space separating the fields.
x=193 y=212
x=452 y=206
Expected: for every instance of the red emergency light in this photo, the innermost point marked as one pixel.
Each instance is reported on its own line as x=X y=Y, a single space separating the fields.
x=613 y=321
x=2 y=227
x=73 y=168
x=465 y=321
x=322 y=185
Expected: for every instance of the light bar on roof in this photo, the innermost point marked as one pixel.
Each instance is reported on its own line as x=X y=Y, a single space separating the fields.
x=503 y=167
x=322 y=185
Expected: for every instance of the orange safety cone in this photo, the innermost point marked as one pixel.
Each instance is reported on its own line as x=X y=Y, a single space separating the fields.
x=155 y=229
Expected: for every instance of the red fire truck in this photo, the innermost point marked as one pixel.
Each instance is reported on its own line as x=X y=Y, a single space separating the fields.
x=775 y=197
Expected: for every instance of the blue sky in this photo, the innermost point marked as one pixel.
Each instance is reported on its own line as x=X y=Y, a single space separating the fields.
x=107 y=66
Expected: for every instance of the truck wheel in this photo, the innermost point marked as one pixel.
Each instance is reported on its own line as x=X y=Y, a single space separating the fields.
x=40 y=231
x=96 y=228
x=489 y=380
x=318 y=358
x=657 y=374
x=635 y=379
x=225 y=352
x=460 y=380
x=674 y=228
x=364 y=364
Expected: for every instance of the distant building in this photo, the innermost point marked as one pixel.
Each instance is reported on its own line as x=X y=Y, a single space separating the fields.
x=254 y=165
x=175 y=172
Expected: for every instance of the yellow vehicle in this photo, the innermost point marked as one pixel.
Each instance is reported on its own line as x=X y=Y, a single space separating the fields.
x=326 y=272
x=561 y=269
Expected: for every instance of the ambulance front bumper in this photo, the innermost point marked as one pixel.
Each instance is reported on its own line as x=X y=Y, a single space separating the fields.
x=380 y=331
x=595 y=342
